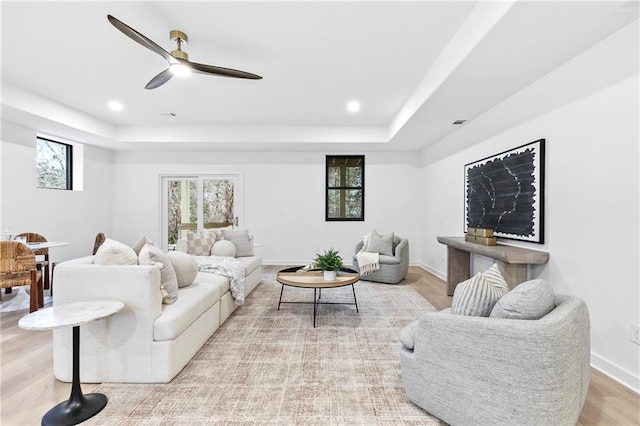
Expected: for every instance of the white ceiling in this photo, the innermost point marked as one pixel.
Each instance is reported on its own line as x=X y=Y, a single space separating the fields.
x=414 y=66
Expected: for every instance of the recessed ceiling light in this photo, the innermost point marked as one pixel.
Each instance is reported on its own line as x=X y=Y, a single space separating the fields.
x=353 y=106
x=114 y=106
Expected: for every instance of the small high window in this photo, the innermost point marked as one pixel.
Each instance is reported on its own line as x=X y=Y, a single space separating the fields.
x=345 y=188
x=53 y=164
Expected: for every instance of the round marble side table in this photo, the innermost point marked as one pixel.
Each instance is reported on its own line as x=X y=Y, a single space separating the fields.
x=78 y=407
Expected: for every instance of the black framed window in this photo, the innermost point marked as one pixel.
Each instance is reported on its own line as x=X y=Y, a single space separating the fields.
x=54 y=164
x=344 y=188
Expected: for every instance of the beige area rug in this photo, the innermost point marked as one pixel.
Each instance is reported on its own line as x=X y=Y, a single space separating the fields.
x=265 y=366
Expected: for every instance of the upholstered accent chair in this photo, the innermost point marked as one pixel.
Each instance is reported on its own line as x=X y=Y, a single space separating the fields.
x=497 y=371
x=393 y=269
x=17 y=268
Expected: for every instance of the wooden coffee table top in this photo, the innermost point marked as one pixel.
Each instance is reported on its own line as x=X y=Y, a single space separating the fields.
x=315 y=279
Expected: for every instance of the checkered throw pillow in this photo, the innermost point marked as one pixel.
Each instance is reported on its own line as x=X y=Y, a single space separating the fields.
x=200 y=244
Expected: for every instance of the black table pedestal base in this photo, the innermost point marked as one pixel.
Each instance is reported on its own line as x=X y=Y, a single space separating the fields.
x=75 y=410
x=79 y=407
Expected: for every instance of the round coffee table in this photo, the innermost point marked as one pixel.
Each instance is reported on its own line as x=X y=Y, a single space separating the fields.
x=297 y=277
x=78 y=407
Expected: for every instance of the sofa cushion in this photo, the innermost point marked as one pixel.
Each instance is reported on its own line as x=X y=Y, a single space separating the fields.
x=478 y=295
x=530 y=300
x=200 y=244
x=208 y=277
x=185 y=266
x=223 y=248
x=250 y=264
x=389 y=260
x=150 y=255
x=192 y=302
x=113 y=252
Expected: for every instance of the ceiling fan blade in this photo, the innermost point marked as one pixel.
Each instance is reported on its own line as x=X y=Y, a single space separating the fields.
x=159 y=79
x=226 y=72
x=140 y=38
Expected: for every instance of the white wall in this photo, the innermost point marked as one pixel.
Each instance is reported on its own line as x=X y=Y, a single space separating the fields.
x=283 y=198
x=73 y=216
x=591 y=197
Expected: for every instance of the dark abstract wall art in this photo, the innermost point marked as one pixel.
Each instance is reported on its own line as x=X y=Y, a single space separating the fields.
x=505 y=192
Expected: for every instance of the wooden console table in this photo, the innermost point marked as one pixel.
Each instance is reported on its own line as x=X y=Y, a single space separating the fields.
x=512 y=261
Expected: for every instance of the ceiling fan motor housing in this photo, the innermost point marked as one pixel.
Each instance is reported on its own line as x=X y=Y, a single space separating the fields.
x=179 y=37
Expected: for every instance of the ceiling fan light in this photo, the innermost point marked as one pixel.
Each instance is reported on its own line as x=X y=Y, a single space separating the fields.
x=353 y=107
x=180 y=70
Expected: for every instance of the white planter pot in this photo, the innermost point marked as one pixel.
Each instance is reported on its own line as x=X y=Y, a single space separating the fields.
x=329 y=275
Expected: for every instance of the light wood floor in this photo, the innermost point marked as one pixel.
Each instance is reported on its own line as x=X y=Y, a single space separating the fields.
x=28 y=388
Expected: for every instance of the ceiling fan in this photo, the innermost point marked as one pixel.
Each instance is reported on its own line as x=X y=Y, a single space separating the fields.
x=178 y=59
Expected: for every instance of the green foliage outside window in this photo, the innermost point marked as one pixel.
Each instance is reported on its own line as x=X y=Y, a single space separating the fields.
x=53 y=164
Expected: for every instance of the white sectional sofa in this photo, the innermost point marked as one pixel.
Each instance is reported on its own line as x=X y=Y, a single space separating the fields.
x=147 y=341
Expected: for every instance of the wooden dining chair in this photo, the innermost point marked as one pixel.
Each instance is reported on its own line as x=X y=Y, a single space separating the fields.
x=17 y=268
x=32 y=237
x=100 y=238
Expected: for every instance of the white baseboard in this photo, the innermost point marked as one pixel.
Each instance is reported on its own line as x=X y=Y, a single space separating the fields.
x=616 y=373
x=432 y=270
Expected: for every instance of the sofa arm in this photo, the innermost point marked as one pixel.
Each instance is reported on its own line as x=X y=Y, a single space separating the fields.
x=118 y=346
x=137 y=286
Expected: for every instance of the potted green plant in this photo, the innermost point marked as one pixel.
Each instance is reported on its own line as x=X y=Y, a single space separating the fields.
x=330 y=262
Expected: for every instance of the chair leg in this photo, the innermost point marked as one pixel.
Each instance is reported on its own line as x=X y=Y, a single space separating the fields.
x=33 y=292
x=40 y=285
x=53 y=267
x=47 y=279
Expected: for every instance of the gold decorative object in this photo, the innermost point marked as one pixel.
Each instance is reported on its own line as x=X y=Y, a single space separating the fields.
x=486 y=241
x=480 y=232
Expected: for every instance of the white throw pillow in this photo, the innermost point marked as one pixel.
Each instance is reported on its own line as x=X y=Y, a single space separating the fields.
x=113 y=252
x=151 y=255
x=223 y=248
x=185 y=266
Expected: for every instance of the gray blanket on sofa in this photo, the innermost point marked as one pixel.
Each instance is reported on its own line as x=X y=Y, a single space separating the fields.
x=229 y=268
